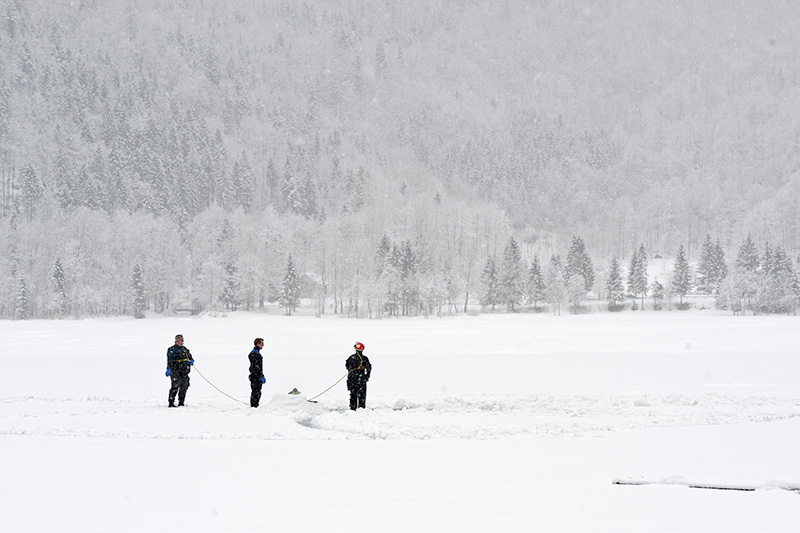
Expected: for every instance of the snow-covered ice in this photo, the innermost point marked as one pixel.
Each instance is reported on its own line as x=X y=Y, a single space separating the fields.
x=474 y=423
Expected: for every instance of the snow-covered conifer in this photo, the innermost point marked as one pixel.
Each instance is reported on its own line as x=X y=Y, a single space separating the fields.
x=242 y=180
x=579 y=262
x=489 y=278
x=575 y=292
x=536 y=285
x=290 y=195
x=32 y=190
x=22 y=310
x=747 y=260
x=60 y=289
x=554 y=279
x=682 y=280
x=637 y=274
x=720 y=267
x=615 y=291
x=289 y=299
x=510 y=277
x=410 y=283
x=230 y=297
x=657 y=292
x=138 y=298
x=705 y=267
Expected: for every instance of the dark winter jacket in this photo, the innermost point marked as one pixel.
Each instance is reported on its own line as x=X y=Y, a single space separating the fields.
x=179 y=359
x=256 y=365
x=359 y=370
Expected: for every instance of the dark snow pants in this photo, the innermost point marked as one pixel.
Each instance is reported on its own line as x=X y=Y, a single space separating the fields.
x=180 y=384
x=358 y=396
x=255 y=392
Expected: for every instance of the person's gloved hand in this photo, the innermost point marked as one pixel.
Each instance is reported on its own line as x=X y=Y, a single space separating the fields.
x=191 y=362
x=263 y=379
x=169 y=372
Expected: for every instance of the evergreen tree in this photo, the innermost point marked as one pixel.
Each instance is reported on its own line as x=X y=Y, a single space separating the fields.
x=615 y=292
x=32 y=191
x=272 y=185
x=242 y=179
x=290 y=196
x=720 y=268
x=576 y=291
x=657 y=293
x=510 y=282
x=217 y=170
x=682 y=281
x=383 y=255
x=637 y=274
x=5 y=108
x=289 y=299
x=747 y=260
x=767 y=266
x=555 y=284
x=22 y=311
x=380 y=58
x=354 y=190
x=490 y=281
x=741 y=288
x=64 y=180
x=706 y=277
x=390 y=278
x=138 y=292
x=579 y=262
x=409 y=263
x=780 y=283
x=587 y=271
x=230 y=297
x=99 y=182
x=308 y=191
x=60 y=289
x=536 y=286
x=795 y=291
x=574 y=255
x=116 y=193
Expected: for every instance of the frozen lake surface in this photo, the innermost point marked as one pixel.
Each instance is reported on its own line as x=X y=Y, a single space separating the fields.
x=519 y=422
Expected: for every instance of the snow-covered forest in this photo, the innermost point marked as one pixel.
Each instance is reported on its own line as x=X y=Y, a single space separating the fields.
x=397 y=158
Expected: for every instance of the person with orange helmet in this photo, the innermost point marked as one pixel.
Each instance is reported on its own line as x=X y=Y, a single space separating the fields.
x=358 y=372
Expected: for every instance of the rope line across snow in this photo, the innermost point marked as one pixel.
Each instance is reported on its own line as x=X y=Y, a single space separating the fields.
x=225 y=393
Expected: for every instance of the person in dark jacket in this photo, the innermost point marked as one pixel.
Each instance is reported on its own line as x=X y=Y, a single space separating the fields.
x=257 y=378
x=358 y=372
x=179 y=362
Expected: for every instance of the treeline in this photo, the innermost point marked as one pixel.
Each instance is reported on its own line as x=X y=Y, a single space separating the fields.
x=755 y=282
x=93 y=264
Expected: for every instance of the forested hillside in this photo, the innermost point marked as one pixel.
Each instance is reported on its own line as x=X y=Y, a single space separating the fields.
x=185 y=154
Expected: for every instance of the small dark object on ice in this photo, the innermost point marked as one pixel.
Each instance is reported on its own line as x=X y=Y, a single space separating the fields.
x=294 y=391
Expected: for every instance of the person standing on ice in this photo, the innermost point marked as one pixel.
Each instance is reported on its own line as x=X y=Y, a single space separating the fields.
x=179 y=362
x=257 y=378
x=358 y=372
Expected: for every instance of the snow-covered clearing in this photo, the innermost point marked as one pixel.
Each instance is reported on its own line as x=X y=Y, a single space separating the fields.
x=503 y=422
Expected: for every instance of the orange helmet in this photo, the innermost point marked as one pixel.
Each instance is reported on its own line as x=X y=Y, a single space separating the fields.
x=359 y=346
